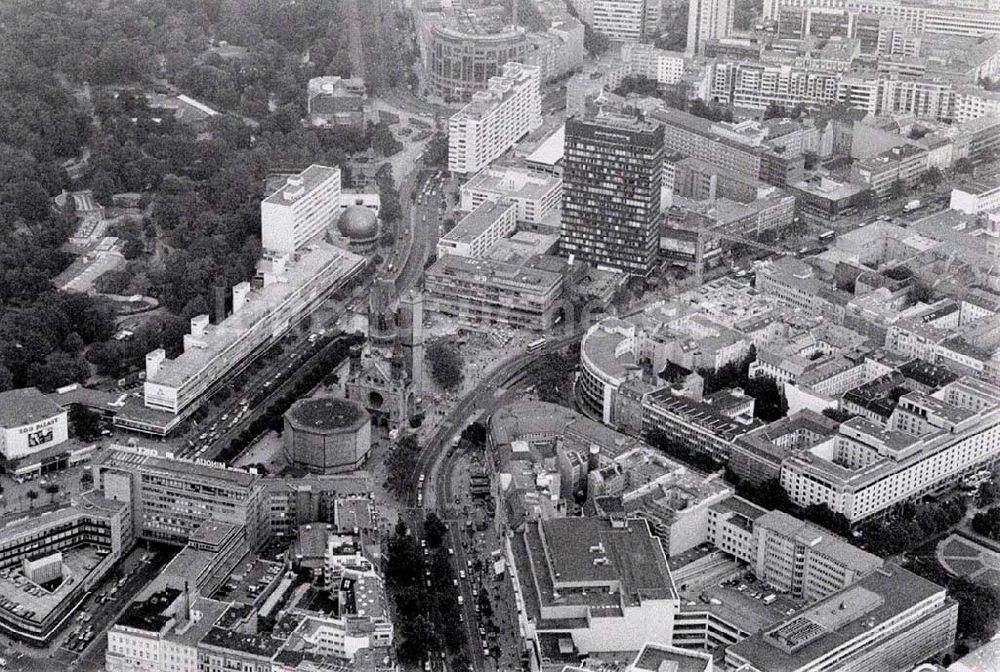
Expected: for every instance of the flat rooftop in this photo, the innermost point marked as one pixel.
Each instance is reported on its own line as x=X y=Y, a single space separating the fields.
x=602 y=346
x=660 y=658
x=738 y=608
x=512 y=182
x=496 y=272
x=127 y=458
x=633 y=557
x=838 y=619
x=311 y=177
x=828 y=188
x=550 y=151
x=544 y=423
x=78 y=563
x=150 y=614
x=478 y=221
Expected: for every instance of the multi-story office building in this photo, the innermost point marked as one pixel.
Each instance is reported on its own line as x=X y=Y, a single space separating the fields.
x=604 y=585
x=671 y=498
x=688 y=135
x=690 y=423
x=306 y=204
x=929 y=444
x=757 y=85
x=645 y=60
x=804 y=560
x=476 y=232
x=890 y=620
x=791 y=555
x=613 y=169
x=823 y=200
x=794 y=283
x=975 y=103
x=483 y=292
x=463 y=61
x=290 y=504
x=171 y=498
x=536 y=195
x=82 y=541
x=708 y=20
x=904 y=164
x=916 y=17
x=495 y=119
x=625 y=20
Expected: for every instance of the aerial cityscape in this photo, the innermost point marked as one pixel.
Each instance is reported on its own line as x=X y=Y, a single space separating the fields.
x=500 y=336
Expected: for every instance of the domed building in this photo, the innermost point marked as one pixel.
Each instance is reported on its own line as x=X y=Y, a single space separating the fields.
x=358 y=224
x=327 y=435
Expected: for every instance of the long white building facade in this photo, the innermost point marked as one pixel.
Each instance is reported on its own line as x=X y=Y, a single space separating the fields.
x=933 y=441
x=495 y=120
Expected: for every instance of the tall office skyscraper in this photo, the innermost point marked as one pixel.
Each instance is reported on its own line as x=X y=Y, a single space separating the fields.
x=612 y=172
x=708 y=20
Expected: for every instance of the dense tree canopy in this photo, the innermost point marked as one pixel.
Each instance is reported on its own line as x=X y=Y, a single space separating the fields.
x=75 y=76
x=447 y=366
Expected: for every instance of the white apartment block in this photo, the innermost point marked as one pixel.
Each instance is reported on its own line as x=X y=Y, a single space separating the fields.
x=708 y=20
x=939 y=19
x=509 y=109
x=757 y=85
x=536 y=195
x=625 y=20
x=975 y=103
x=306 y=204
x=973 y=201
x=476 y=232
x=665 y=67
x=869 y=468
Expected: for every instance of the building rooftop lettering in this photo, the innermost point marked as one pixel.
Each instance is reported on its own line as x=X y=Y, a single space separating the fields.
x=128 y=458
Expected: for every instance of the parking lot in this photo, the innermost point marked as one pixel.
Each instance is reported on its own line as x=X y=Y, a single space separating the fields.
x=80 y=644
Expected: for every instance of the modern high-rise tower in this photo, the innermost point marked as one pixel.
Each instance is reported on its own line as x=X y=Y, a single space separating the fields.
x=612 y=172
x=708 y=20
